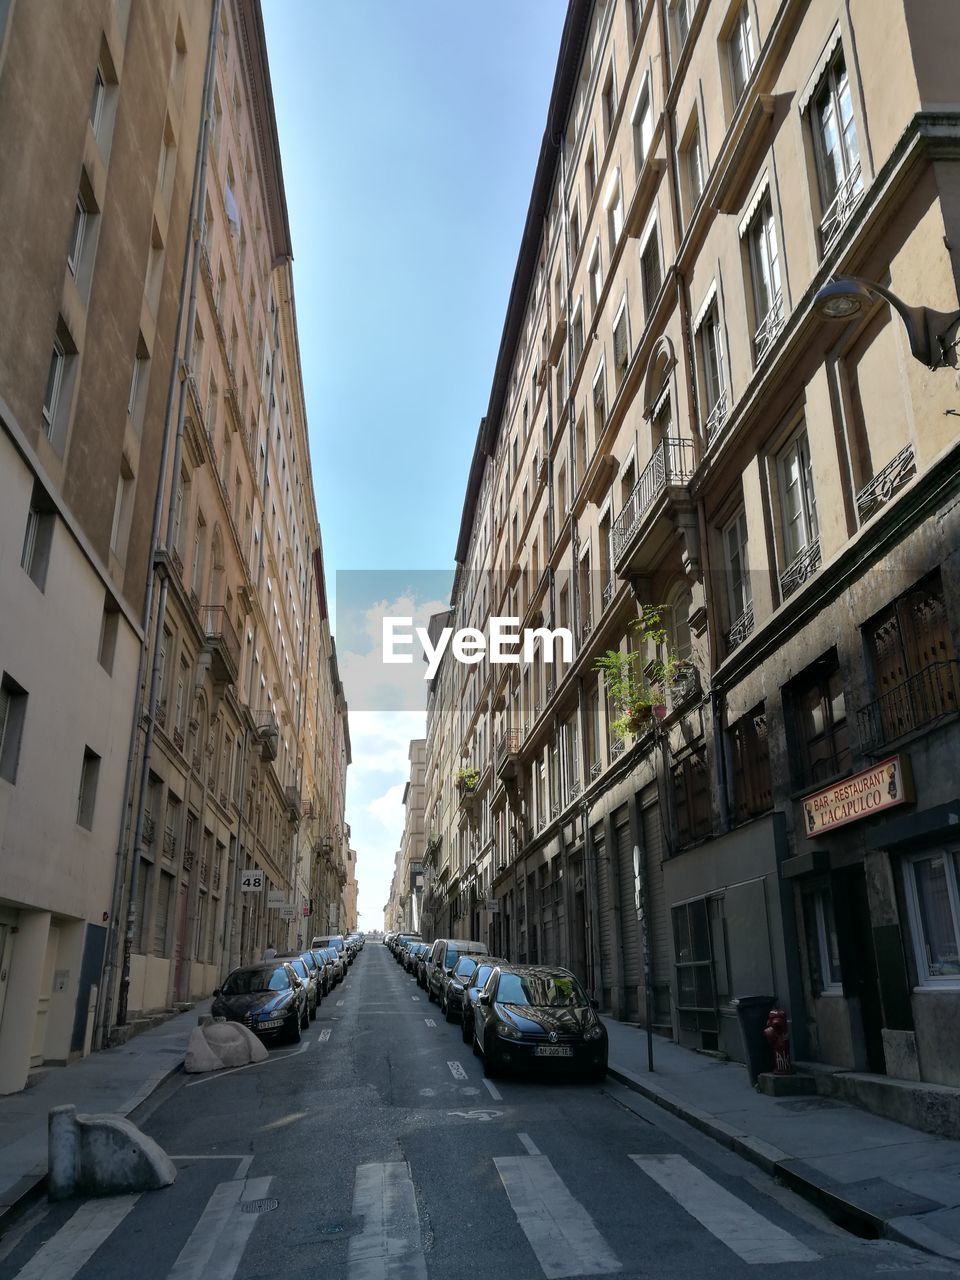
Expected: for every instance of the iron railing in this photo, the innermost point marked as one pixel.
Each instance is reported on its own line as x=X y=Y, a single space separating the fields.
x=149 y=828
x=841 y=206
x=769 y=327
x=508 y=744
x=169 y=843
x=916 y=703
x=672 y=463
x=607 y=594
x=886 y=483
x=718 y=416
x=217 y=627
x=741 y=628
x=796 y=573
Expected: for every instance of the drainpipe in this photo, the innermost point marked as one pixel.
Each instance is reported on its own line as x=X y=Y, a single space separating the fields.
x=190 y=268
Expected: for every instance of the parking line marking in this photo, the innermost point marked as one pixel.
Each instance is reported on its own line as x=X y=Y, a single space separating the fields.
x=414 y=997
x=529 y=1145
x=430 y=1022
x=559 y=1229
x=219 y=1075
x=216 y=1244
x=494 y=1092
x=62 y=1256
x=457 y=1071
x=390 y=1247
x=744 y=1231
x=325 y=1035
x=339 y=1003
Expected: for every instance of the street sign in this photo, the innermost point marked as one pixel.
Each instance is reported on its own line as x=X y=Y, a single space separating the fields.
x=286 y=912
x=252 y=880
x=276 y=898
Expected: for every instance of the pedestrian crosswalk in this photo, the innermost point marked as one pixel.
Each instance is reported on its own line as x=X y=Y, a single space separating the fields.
x=563 y=1234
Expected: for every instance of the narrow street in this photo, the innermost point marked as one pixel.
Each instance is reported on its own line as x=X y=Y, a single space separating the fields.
x=376 y=1149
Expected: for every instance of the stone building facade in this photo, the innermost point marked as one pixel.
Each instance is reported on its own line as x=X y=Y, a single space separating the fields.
x=674 y=426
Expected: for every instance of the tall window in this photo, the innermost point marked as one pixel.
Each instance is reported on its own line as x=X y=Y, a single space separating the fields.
x=614 y=209
x=650 y=270
x=765 y=278
x=752 y=788
x=822 y=949
x=739 y=596
x=691 y=797
x=77 y=235
x=642 y=126
x=599 y=404
x=590 y=172
x=37 y=539
x=636 y=13
x=933 y=901
x=87 y=799
x=820 y=721
x=577 y=333
x=13 y=710
x=710 y=353
x=609 y=103
x=836 y=149
x=740 y=50
x=621 y=345
x=798 y=513
x=56 y=392
x=98 y=101
x=596 y=275
x=693 y=162
x=680 y=14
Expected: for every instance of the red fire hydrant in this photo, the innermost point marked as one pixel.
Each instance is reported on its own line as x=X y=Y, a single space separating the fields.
x=779 y=1040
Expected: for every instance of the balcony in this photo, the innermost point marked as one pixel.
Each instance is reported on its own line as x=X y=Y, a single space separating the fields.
x=508 y=748
x=169 y=843
x=916 y=703
x=558 y=336
x=767 y=331
x=804 y=566
x=223 y=644
x=843 y=204
x=741 y=628
x=149 y=828
x=268 y=734
x=188 y=857
x=646 y=523
x=294 y=805
x=886 y=483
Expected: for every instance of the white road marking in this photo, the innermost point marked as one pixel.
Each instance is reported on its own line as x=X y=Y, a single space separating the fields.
x=414 y=997
x=339 y=1003
x=747 y=1233
x=325 y=1035
x=144 y=1091
x=390 y=1246
x=528 y=1144
x=493 y=1091
x=430 y=1022
x=457 y=1071
x=62 y=1256
x=216 y=1244
x=278 y=1057
x=477 y=1114
x=558 y=1228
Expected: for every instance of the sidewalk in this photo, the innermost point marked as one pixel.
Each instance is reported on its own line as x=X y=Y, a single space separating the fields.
x=114 y=1081
x=863 y=1170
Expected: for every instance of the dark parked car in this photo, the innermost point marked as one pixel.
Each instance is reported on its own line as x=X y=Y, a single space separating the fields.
x=334 y=940
x=453 y=983
x=444 y=954
x=530 y=1015
x=308 y=975
x=421 y=966
x=268 y=998
x=401 y=944
x=414 y=951
x=475 y=984
x=338 y=960
x=328 y=970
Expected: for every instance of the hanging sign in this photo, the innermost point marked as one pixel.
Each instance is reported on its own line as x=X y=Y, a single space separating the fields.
x=882 y=786
x=252 y=880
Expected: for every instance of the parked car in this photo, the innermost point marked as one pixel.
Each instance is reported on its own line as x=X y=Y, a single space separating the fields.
x=334 y=940
x=444 y=954
x=309 y=977
x=268 y=998
x=453 y=983
x=421 y=966
x=329 y=976
x=475 y=984
x=313 y=964
x=414 y=951
x=338 y=962
x=401 y=944
x=529 y=1015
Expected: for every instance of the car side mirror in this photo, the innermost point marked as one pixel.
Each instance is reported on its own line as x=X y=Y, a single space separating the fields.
x=483 y=998
x=216 y=991
x=594 y=1004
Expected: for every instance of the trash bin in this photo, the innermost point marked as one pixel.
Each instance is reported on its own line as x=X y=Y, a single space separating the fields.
x=752 y=1016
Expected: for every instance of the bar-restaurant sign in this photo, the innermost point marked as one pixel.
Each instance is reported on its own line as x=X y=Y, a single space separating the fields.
x=882 y=786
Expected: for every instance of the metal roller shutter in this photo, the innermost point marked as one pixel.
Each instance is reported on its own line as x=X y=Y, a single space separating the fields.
x=661 y=951
x=629 y=926
x=606 y=920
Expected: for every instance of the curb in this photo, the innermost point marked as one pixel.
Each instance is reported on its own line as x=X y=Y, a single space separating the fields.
x=779 y=1164
x=28 y=1189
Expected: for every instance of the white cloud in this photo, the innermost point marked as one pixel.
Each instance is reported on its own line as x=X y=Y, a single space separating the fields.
x=371 y=684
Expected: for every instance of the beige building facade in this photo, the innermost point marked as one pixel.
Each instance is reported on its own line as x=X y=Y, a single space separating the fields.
x=674 y=426
x=404 y=908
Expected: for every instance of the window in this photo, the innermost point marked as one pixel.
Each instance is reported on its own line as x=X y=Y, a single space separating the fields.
x=609 y=103
x=710 y=356
x=199 y=538
x=820 y=717
x=590 y=172
x=621 y=345
x=691 y=797
x=933 y=901
x=161 y=915
x=596 y=275
x=77 y=233
x=13 y=711
x=752 y=788
x=835 y=149
x=650 y=271
x=56 y=394
x=739 y=595
x=693 y=163
x=137 y=398
x=636 y=13
x=614 y=206
x=578 y=333
x=680 y=15
x=642 y=126
x=599 y=404
x=122 y=508
x=37 y=539
x=740 y=50
x=765 y=278
x=166 y=167
x=798 y=514
x=98 y=100
x=575 y=232
x=913 y=663
x=822 y=949
x=107 y=644
x=89 y=776
x=692 y=947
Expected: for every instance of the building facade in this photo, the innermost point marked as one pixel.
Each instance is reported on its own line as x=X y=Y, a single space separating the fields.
x=404 y=908
x=746 y=516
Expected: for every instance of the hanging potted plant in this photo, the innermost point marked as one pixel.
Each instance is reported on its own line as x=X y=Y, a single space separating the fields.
x=633 y=697
x=467 y=780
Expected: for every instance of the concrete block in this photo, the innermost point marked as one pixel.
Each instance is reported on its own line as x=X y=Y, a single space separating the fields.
x=222 y=1044
x=900 y=1053
x=102 y=1155
x=794 y=1086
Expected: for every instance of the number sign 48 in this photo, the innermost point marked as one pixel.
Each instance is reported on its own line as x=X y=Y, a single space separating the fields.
x=251 y=881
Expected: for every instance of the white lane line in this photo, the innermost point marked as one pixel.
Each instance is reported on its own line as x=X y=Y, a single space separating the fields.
x=274 y=1058
x=430 y=1022
x=494 y=1092
x=559 y=1229
x=325 y=1035
x=390 y=1246
x=457 y=1071
x=144 y=1091
x=339 y=1003
x=528 y=1144
x=734 y=1223
x=216 y=1244
x=414 y=997
x=62 y=1256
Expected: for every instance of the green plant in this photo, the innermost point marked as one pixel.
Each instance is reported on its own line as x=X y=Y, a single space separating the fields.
x=467 y=779
x=636 y=683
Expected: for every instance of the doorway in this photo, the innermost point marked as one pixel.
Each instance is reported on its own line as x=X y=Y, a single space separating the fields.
x=859 y=961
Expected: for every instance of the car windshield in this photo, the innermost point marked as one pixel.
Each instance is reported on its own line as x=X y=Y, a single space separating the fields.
x=483 y=972
x=245 y=982
x=542 y=990
x=299 y=967
x=465 y=967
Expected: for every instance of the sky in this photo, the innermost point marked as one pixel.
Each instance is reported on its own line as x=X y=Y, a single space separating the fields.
x=409 y=133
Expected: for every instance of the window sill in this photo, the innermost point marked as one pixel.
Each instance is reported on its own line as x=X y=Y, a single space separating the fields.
x=933 y=985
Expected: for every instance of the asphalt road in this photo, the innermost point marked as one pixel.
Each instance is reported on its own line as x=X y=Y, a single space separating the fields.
x=376 y=1151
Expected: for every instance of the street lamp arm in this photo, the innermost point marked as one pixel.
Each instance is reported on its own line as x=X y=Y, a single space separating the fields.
x=927 y=330
x=914 y=318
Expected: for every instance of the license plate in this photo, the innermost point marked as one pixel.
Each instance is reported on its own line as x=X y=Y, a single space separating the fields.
x=553 y=1051
x=269 y=1026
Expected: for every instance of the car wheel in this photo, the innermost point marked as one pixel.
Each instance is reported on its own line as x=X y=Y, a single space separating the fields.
x=431 y=995
x=313 y=1011
x=491 y=1068
x=465 y=1031
x=293 y=1033
x=305 y=1019
x=449 y=1013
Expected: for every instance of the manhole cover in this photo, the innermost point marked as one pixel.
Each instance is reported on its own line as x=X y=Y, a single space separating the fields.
x=259 y=1206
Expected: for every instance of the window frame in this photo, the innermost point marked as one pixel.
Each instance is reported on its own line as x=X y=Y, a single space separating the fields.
x=950 y=855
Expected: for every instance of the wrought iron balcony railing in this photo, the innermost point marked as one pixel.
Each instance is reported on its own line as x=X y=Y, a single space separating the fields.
x=796 y=574
x=741 y=628
x=149 y=828
x=607 y=594
x=843 y=204
x=916 y=703
x=718 y=416
x=672 y=463
x=767 y=330
x=169 y=843
x=508 y=745
x=222 y=640
x=886 y=483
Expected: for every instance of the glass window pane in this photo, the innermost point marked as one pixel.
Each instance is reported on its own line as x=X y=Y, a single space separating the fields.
x=938 y=926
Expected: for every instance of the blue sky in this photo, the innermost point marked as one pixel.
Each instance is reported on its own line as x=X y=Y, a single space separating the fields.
x=409 y=131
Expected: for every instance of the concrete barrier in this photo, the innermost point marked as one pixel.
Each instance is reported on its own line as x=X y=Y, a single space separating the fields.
x=215 y=1045
x=102 y=1155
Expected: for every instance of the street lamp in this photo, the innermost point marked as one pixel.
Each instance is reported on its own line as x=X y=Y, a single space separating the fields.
x=846 y=296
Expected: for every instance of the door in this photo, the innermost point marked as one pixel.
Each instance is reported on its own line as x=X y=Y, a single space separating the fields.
x=605 y=921
x=629 y=925
x=658 y=916
x=43 y=1002
x=859 y=958
x=180 y=944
